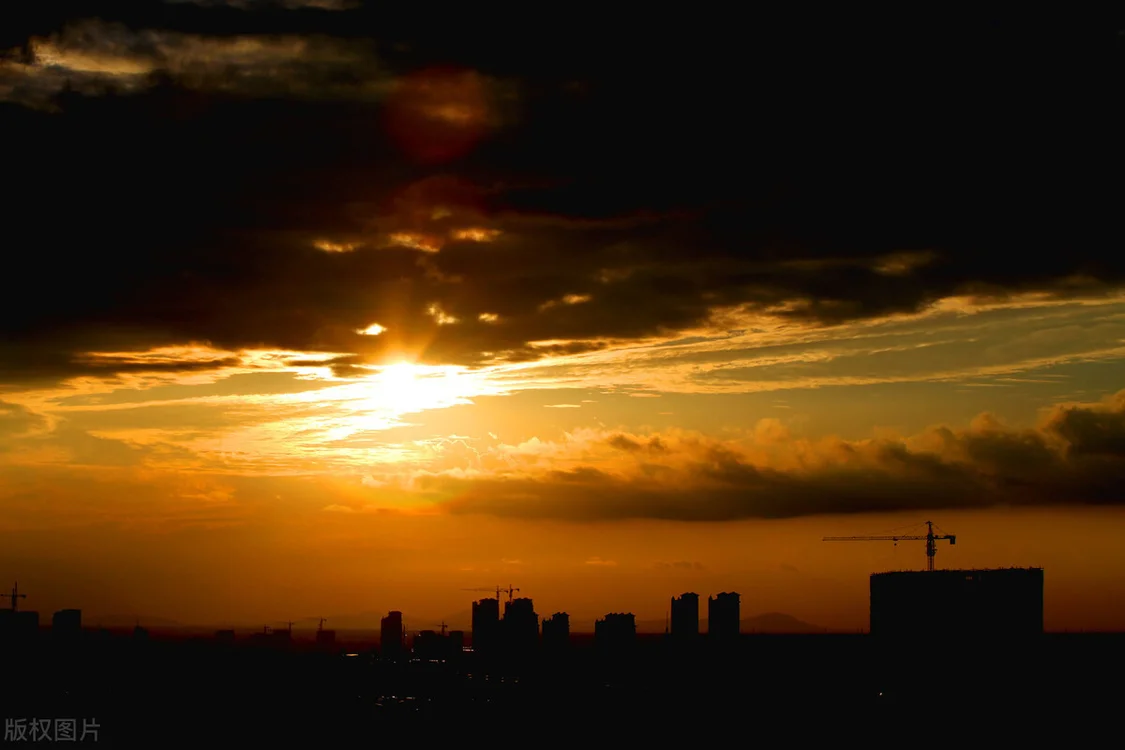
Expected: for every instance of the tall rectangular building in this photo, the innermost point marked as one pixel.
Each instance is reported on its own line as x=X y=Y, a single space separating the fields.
x=486 y=625
x=391 y=635
x=616 y=632
x=940 y=604
x=521 y=625
x=66 y=623
x=556 y=631
x=724 y=615
x=685 y=616
x=18 y=625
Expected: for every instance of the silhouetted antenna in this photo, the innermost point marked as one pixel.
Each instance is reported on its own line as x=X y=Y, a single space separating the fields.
x=930 y=538
x=15 y=596
x=510 y=591
x=321 y=625
x=443 y=628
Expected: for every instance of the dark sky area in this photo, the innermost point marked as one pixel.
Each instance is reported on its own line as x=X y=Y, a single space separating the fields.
x=171 y=166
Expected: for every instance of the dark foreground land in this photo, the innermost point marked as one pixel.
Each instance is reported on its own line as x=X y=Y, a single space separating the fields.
x=779 y=688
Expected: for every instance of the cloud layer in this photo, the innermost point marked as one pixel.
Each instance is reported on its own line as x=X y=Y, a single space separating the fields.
x=274 y=176
x=1075 y=456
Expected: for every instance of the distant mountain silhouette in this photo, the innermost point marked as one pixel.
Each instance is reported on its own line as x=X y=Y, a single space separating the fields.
x=371 y=620
x=770 y=622
x=776 y=622
x=128 y=621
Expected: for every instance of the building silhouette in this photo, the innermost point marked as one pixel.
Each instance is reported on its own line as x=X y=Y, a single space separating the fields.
x=224 y=636
x=66 y=624
x=391 y=635
x=325 y=638
x=556 y=631
x=942 y=604
x=486 y=625
x=724 y=615
x=430 y=645
x=520 y=626
x=17 y=625
x=616 y=632
x=685 y=616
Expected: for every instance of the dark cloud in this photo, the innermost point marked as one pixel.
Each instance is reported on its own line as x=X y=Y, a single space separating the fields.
x=1073 y=458
x=173 y=167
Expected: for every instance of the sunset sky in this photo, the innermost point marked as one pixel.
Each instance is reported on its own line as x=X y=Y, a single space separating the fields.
x=311 y=309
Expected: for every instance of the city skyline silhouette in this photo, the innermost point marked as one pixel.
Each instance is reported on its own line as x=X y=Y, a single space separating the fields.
x=374 y=374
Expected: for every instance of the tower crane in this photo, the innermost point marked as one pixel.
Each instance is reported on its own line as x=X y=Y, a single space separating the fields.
x=498 y=591
x=15 y=596
x=929 y=537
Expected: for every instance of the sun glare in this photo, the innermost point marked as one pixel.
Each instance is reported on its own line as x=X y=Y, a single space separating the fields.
x=400 y=375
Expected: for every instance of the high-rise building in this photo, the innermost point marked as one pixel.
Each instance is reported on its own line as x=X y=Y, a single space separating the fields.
x=521 y=625
x=724 y=615
x=391 y=635
x=486 y=625
x=556 y=631
x=685 y=616
x=939 y=604
x=616 y=632
x=19 y=625
x=66 y=623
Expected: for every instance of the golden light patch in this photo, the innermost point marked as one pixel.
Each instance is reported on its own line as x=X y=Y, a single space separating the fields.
x=49 y=54
x=372 y=330
x=442 y=318
x=475 y=235
x=328 y=246
x=415 y=241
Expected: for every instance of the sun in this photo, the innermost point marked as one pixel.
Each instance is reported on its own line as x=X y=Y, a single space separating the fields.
x=407 y=387
x=401 y=375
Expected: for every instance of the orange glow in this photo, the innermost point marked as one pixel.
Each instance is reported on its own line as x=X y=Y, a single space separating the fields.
x=439 y=114
x=476 y=235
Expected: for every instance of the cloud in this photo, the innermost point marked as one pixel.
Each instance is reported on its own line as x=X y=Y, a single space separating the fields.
x=1074 y=456
x=597 y=561
x=93 y=56
x=542 y=214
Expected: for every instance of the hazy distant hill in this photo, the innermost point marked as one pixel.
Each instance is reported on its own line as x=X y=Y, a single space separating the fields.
x=776 y=622
x=771 y=622
x=128 y=621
